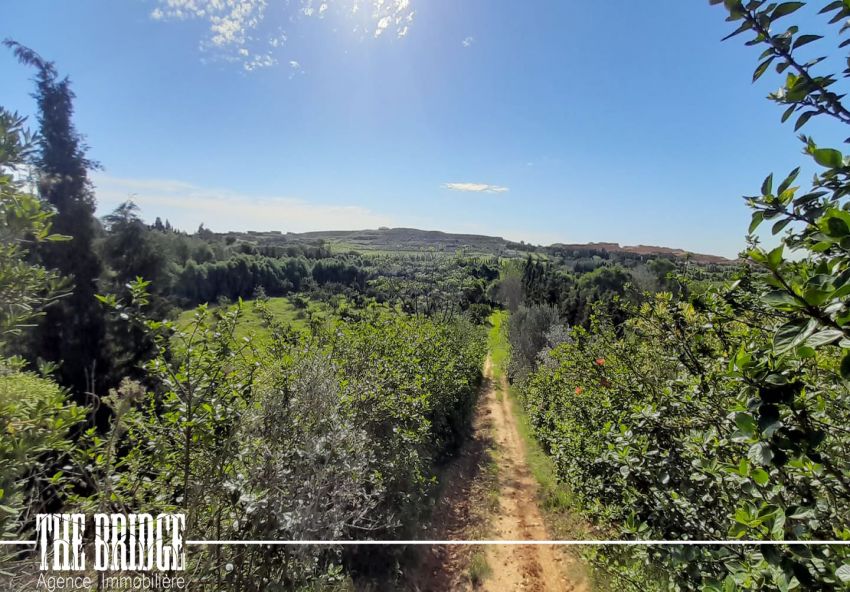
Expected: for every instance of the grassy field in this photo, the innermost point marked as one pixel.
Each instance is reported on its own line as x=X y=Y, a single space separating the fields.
x=251 y=323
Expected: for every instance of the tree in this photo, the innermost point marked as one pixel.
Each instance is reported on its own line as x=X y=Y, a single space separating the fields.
x=71 y=333
x=131 y=251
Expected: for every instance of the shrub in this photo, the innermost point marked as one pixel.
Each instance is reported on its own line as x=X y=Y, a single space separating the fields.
x=36 y=420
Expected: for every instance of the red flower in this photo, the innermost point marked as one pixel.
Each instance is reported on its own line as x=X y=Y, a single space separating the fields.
x=600 y=361
x=579 y=390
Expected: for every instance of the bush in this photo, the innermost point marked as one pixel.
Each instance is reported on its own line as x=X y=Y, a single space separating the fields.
x=527 y=330
x=332 y=434
x=653 y=432
x=35 y=422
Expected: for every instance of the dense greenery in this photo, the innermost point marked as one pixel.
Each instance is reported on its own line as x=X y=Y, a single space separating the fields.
x=676 y=400
x=721 y=414
x=35 y=418
x=333 y=430
x=325 y=435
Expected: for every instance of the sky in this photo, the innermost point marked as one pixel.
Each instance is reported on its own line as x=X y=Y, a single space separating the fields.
x=546 y=121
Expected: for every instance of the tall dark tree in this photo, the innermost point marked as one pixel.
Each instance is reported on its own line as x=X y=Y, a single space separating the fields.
x=71 y=333
x=130 y=250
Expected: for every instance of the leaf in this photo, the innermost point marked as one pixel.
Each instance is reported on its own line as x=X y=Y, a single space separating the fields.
x=845 y=367
x=788 y=113
x=778 y=527
x=803 y=119
x=760 y=476
x=792 y=334
x=767 y=185
x=735 y=8
x=781 y=299
x=777 y=228
x=835 y=224
x=746 y=25
x=828 y=157
x=805 y=39
x=802 y=513
x=824 y=337
x=785 y=9
x=836 y=4
x=805 y=352
x=760 y=454
x=762 y=68
x=746 y=423
x=776 y=380
x=843 y=573
x=774 y=258
x=758 y=218
x=786 y=183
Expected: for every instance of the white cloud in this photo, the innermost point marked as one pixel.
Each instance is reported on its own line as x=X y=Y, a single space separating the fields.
x=468 y=41
x=294 y=69
x=258 y=61
x=476 y=187
x=236 y=27
x=382 y=25
x=186 y=205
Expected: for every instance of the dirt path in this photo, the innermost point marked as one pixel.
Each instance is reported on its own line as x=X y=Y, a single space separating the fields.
x=497 y=500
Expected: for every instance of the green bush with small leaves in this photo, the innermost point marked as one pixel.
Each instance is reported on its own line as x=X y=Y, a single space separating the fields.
x=328 y=434
x=36 y=422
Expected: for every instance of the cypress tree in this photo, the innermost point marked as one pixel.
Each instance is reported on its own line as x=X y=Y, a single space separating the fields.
x=71 y=333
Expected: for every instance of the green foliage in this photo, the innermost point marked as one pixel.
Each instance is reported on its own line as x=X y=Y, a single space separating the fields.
x=25 y=288
x=497 y=343
x=35 y=418
x=724 y=416
x=35 y=425
x=331 y=433
x=238 y=277
x=574 y=293
x=528 y=332
x=71 y=332
x=652 y=431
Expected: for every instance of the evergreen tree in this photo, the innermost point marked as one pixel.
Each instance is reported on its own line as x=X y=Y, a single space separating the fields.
x=71 y=333
x=130 y=251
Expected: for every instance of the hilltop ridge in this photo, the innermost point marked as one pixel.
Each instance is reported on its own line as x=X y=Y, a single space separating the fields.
x=415 y=240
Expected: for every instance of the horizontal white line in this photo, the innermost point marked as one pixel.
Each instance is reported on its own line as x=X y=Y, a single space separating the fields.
x=582 y=543
x=503 y=542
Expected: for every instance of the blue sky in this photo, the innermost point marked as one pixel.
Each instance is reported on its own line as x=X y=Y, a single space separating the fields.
x=545 y=121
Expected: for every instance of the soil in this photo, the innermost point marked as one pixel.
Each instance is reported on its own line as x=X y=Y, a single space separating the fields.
x=490 y=494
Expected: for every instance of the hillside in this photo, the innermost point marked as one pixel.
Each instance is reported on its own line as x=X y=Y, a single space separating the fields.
x=415 y=240
x=642 y=250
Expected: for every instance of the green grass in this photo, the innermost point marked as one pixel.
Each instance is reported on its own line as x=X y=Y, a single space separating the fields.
x=479 y=569
x=251 y=323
